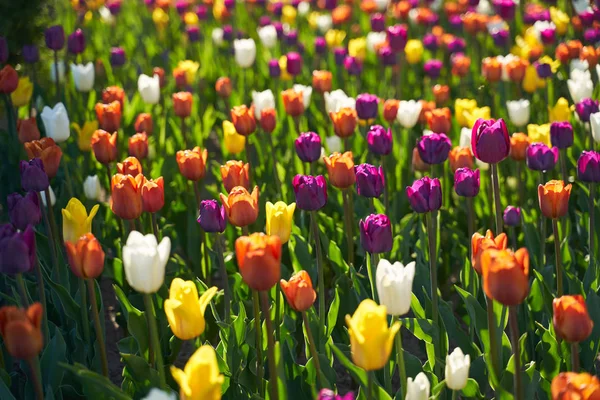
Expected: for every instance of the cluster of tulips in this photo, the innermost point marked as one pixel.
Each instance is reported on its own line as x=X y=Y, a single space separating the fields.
x=231 y=178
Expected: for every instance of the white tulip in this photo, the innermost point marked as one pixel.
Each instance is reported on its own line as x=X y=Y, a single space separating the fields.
x=540 y=26
x=581 y=6
x=598 y=70
x=394 y=285
x=157 y=394
x=56 y=122
x=268 y=36
x=457 y=369
x=334 y=144
x=408 y=113
x=106 y=16
x=262 y=101
x=578 y=72
x=518 y=111
x=303 y=8
x=336 y=100
x=306 y=93
x=419 y=388
x=381 y=5
x=485 y=7
x=61 y=71
x=595 y=123
x=496 y=25
x=580 y=89
x=92 y=188
x=504 y=61
x=324 y=22
x=217 y=36
x=375 y=39
x=144 y=261
x=465 y=137
x=149 y=88
x=581 y=65
x=245 y=52
x=52 y=197
x=83 y=76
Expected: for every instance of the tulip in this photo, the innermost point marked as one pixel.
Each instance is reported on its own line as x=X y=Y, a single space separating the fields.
x=153 y=195
x=595 y=126
x=308 y=147
x=21 y=330
x=310 y=192
x=185 y=311
x=144 y=261
x=262 y=101
x=235 y=173
x=357 y=48
x=259 y=258
x=117 y=57
x=580 y=88
x=466 y=182
x=33 y=177
x=512 y=216
x=280 y=218
x=23 y=210
x=138 y=146
x=571 y=385
x=341 y=171
x=457 y=369
x=518 y=112
x=113 y=93
x=366 y=106
x=243 y=120
x=490 y=141
x=460 y=157
x=328 y=394
x=480 y=243
x=585 y=109
x=439 y=120
x=408 y=113
x=541 y=158
x=299 y=291
x=104 y=146
x=344 y=122
x=376 y=233
x=390 y=110
x=76 y=42
x=370 y=180
x=379 y=140
x=371 y=339
x=588 y=167
x=434 y=148
x=56 y=122
x=241 y=207
x=202 y=363
x=83 y=76
x=9 y=80
x=554 y=199
x=192 y=163
x=22 y=94
x=561 y=134
x=432 y=68
x=294 y=63
x=48 y=151
x=130 y=166
x=396 y=36
x=182 y=104
x=92 y=188
x=267 y=36
x=76 y=221
x=31 y=54
x=418 y=389
x=293 y=102
x=55 y=37
x=109 y=116
x=223 y=87
x=28 y=130
x=506 y=275
x=336 y=100
x=321 y=81
x=461 y=108
x=126 y=199
x=211 y=217
x=245 y=52
x=149 y=88
x=491 y=69
x=561 y=111
x=84 y=134
x=519 y=142
x=539 y=133
x=234 y=142
x=17 y=250
x=425 y=195
x=571 y=319
x=394 y=286
x=86 y=257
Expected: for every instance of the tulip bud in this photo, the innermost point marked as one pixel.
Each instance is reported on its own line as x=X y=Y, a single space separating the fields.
x=243 y=120
x=223 y=87
x=17 y=250
x=92 y=188
x=299 y=291
x=117 y=57
x=48 y=152
x=370 y=180
x=310 y=192
x=294 y=63
x=394 y=286
x=185 y=311
x=113 y=93
x=434 y=148
x=554 y=199
x=390 y=110
x=519 y=142
x=419 y=388
x=153 y=195
x=308 y=147
x=460 y=157
x=144 y=261
x=241 y=206
x=585 y=108
x=192 y=163
x=55 y=37
x=457 y=369
x=24 y=210
x=280 y=219
x=130 y=166
x=268 y=120
x=202 y=363
x=432 y=68
x=109 y=116
x=143 y=124
x=76 y=42
x=9 y=80
x=518 y=112
x=328 y=394
x=259 y=259
x=408 y=113
x=571 y=385
x=149 y=88
x=541 y=158
x=344 y=121
x=86 y=257
x=571 y=319
x=490 y=141
x=321 y=81
x=588 y=166
x=340 y=168
x=380 y=140
x=28 y=130
x=506 y=275
x=425 y=195
x=235 y=173
x=376 y=233
x=234 y=143
x=138 y=146
x=293 y=102
x=466 y=182
x=441 y=94
x=126 y=199
x=561 y=134
x=104 y=146
x=182 y=104
x=212 y=217
x=274 y=69
x=397 y=37
x=366 y=106
x=22 y=330
x=512 y=216
x=33 y=176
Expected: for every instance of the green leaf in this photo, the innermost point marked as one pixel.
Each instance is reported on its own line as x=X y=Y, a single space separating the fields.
x=138 y=369
x=359 y=375
x=332 y=315
x=5 y=393
x=95 y=386
x=472 y=389
x=54 y=353
x=136 y=321
x=547 y=350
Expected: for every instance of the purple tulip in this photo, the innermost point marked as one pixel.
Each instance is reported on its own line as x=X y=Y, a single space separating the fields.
x=328 y=394
x=320 y=45
x=115 y=7
x=294 y=63
x=367 y=106
x=561 y=134
x=229 y=4
x=490 y=141
x=586 y=17
x=430 y=42
x=588 y=167
x=500 y=37
x=33 y=176
x=55 y=37
x=76 y=42
x=330 y=4
x=377 y=22
x=376 y=234
x=540 y=157
x=532 y=16
x=117 y=56
x=380 y=140
x=201 y=12
x=291 y=38
x=17 y=250
x=264 y=20
x=396 y=37
x=370 y=180
x=227 y=33
x=585 y=108
x=388 y=57
x=455 y=22
x=279 y=29
x=433 y=68
x=466 y=182
x=543 y=70
x=456 y=45
x=353 y=65
x=274 y=69
x=310 y=191
x=590 y=36
x=193 y=33
x=3 y=50
x=339 y=54
x=434 y=148
x=548 y=36
x=512 y=216
x=278 y=9
x=24 y=211
x=425 y=195
x=212 y=216
x=505 y=8
x=308 y=147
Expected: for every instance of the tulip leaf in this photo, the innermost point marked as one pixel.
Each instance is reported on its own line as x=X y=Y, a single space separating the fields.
x=138 y=370
x=60 y=295
x=359 y=375
x=5 y=391
x=95 y=386
x=332 y=315
x=591 y=346
x=471 y=389
x=54 y=353
x=548 y=352
x=136 y=321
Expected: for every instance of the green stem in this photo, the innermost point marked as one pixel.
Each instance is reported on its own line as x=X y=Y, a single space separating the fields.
x=497 y=202
x=514 y=333
x=321 y=283
x=559 y=277
x=154 y=339
x=184 y=133
x=386 y=195
x=273 y=390
x=275 y=173
x=454 y=394
x=491 y=320
x=258 y=333
x=155 y=227
x=563 y=164
x=471 y=230
x=575 y=357
x=98 y=326
x=542 y=260
x=400 y=359
x=51 y=242
x=370 y=385
x=206 y=272
x=223 y=271
x=313 y=348
x=346 y=193
x=247 y=151
x=85 y=320
x=277 y=313
x=22 y=290
x=592 y=224
x=36 y=377
x=68 y=177
x=371 y=276
x=431 y=233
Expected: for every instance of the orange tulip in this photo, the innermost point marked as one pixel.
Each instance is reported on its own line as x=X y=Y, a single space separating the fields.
x=321 y=81
x=506 y=275
x=474 y=22
x=192 y=163
x=105 y=146
x=143 y=123
x=426 y=106
x=138 y=146
x=182 y=104
x=259 y=259
x=519 y=142
x=86 y=257
x=341 y=14
x=516 y=69
x=241 y=206
x=9 y=80
x=235 y=173
x=126 y=199
x=344 y=122
x=28 y=130
x=554 y=199
x=574 y=386
x=460 y=157
x=480 y=243
x=109 y=116
x=113 y=93
x=180 y=77
x=243 y=120
x=439 y=120
x=340 y=168
x=153 y=194
x=460 y=65
x=268 y=120
x=417 y=162
x=491 y=68
x=130 y=166
x=589 y=54
x=401 y=9
x=390 y=110
x=441 y=93
x=48 y=151
x=574 y=47
x=299 y=291
x=223 y=87
x=562 y=53
x=22 y=330
x=571 y=318
x=161 y=76
x=293 y=102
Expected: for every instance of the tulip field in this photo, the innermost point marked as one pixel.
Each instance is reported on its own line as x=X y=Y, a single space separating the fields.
x=299 y=199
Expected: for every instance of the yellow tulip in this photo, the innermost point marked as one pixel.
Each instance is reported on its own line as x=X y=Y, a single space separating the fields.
x=475 y=114
x=335 y=37
x=160 y=19
x=190 y=18
x=531 y=37
x=190 y=68
x=22 y=95
x=285 y=75
x=280 y=218
x=288 y=14
x=560 y=19
x=539 y=134
x=460 y=107
x=371 y=338
x=84 y=134
x=313 y=16
x=234 y=142
x=94 y=4
x=358 y=48
x=219 y=10
x=554 y=64
x=185 y=311
x=413 y=51
x=531 y=81
x=561 y=111
x=201 y=378
x=76 y=221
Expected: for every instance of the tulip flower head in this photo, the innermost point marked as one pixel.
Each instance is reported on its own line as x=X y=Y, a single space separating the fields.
x=506 y=275
x=149 y=88
x=17 y=250
x=138 y=146
x=48 y=151
x=310 y=192
x=245 y=52
x=425 y=195
x=560 y=111
x=234 y=143
x=308 y=147
x=419 y=388
x=394 y=286
x=540 y=157
x=321 y=81
x=143 y=123
x=262 y=101
x=241 y=206
x=366 y=106
x=153 y=194
x=33 y=176
x=571 y=319
x=268 y=120
x=490 y=141
x=22 y=94
x=588 y=167
x=293 y=102
x=466 y=182
x=376 y=233
x=243 y=120
x=519 y=142
x=340 y=168
x=56 y=122
x=571 y=385
x=299 y=291
x=390 y=110
x=344 y=121
x=104 y=146
x=202 y=363
x=76 y=221
x=83 y=76
x=585 y=108
x=408 y=113
x=554 y=199
x=28 y=130
x=223 y=87
x=370 y=180
x=379 y=140
x=24 y=210
x=21 y=330
x=561 y=134
x=457 y=369
x=518 y=112
x=192 y=163
x=109 y=116
x=212 y=216
x=434 y=148
x=185 y=311
x=144 y=261
x=86 y=257
x=126 y=198
x=130 y=166
x=280 y=218
x=259 y=259
x=182 y=104
x=460 y=157
x=84 y=134
x=512 y=216
x=235 y=173
x=328 y=394
x=9 y=80
x=439 y=120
